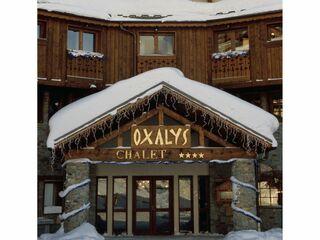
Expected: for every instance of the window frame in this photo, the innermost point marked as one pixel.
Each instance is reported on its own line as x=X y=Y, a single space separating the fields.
x=43 y=30
x=269 y=188
x=156 y=43
x=119 y=210
x=207 y=208
x=58 y=182
x=272 y=105
x=106 y=205
x=233 y=37
x=186 y=209
x=81 y=32
x=269 y=39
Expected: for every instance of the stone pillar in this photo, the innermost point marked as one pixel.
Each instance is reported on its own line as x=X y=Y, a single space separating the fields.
x=244 y=198
x=77 y=198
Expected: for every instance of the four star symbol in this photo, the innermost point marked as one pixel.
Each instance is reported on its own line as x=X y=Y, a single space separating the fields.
x=191 y=155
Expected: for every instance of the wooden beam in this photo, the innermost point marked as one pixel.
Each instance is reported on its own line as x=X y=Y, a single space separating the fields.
x=125 y=128
x=174 y=154
x=161 y=116
x=210 y=135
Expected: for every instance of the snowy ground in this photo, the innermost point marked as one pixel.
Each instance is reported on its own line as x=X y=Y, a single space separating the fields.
x=88 y=232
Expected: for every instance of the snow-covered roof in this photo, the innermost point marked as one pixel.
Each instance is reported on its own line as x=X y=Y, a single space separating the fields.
x=160 y=10
x=84 y=112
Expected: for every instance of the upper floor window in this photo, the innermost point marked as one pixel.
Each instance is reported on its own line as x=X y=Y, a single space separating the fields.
x=275 y=32
x=41 y=30
x=233 y=40
x=157 y=44
x=81 y=40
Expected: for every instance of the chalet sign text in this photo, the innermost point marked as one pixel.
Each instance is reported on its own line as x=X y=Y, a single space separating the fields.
x=155 y=137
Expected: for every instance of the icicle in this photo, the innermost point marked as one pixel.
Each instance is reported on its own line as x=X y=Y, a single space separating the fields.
x=173 y=99
x=156 y=98
x=204 y=115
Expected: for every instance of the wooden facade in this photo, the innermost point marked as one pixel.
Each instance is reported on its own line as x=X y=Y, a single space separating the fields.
x=193 y=46
x=62 y=79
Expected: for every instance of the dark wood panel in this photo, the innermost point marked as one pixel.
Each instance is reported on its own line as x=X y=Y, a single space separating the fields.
x=127 y=154
x=42 y=59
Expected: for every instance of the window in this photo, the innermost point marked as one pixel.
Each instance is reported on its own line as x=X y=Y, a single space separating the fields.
x=275 y=32
x=101 y=218
x=269 y=196
x=119 y=205
x=81 y=40
x=204 y=219
x=276 y=106
x=51 y=201
x=233 y=40
x=158 y=44
x=185 y=204
x=41 y=30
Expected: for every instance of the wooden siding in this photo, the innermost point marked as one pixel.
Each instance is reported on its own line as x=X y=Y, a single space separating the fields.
x=274 y=60
x=42 y=59
x=193 y=49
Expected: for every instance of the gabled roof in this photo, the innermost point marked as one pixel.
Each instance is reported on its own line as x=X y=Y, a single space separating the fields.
x=160 y=10
x=84 y=113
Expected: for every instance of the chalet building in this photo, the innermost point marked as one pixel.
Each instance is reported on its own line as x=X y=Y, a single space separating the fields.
x=159 y=153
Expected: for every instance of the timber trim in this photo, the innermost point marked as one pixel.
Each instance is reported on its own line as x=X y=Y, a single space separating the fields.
x=108 y=154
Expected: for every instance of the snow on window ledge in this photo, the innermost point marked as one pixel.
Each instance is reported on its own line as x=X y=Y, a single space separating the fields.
x=230 y=54
x=85 y=54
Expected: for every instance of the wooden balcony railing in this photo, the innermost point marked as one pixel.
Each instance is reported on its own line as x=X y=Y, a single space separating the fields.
x=146 y=63
x=229 y=70
x=85 y=68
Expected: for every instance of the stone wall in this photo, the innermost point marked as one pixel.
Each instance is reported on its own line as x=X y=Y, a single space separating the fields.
x=220 y=219
x=76 y=173
x=271 y=217
x=244 y=197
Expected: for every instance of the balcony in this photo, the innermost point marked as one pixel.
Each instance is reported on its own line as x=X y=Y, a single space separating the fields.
x=230 y=67
x=146 y=63
x=84 y=68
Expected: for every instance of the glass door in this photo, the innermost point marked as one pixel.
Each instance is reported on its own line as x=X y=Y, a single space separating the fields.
x=152 y=205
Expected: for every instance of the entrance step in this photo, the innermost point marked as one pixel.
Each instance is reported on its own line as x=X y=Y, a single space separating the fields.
x=178 y=237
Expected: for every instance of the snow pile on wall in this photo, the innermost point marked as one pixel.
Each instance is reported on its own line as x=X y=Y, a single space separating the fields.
x=164 y=10
x=230 y=54
x=85 y=54
x=273 y=234
x=80 y=114
x=84 y=232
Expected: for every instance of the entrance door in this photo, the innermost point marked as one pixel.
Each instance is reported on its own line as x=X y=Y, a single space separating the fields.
x=152 y=205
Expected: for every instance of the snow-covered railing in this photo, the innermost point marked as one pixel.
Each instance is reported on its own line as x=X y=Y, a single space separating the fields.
x=230 y=54
x=85 y=54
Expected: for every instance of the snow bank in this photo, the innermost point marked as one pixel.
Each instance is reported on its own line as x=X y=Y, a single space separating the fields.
x=273 y=234
x=80 y=114
x=84 y=232
x=162 y=11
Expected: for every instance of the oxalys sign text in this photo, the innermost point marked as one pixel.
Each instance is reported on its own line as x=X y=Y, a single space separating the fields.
x=163 y=137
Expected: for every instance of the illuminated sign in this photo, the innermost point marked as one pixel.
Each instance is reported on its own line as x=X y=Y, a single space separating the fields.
x=160 y=137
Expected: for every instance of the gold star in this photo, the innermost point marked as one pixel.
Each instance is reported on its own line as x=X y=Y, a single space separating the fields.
x=188 y=155
x=181 y=155
x=194 y=155
x=201 y=155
